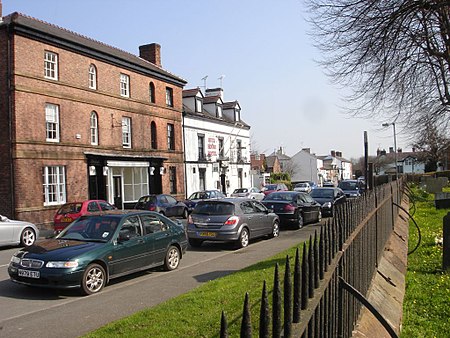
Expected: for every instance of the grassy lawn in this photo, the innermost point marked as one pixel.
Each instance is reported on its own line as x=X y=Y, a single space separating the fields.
x=197 y=313
x=426 y=308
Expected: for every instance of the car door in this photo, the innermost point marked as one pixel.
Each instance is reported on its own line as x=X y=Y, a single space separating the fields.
x=252 y=219
x=130 y=252
x=315 y=207
x=7 y=231
x=265 y=219
x=165 y=206
x=157 y=237
x=175 y=207
x=307 y=207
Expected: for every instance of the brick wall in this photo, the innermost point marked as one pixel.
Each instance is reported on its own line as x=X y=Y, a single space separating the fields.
x=76 y=102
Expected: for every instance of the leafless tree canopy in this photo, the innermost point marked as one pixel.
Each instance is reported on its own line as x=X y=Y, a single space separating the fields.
x=394 y=54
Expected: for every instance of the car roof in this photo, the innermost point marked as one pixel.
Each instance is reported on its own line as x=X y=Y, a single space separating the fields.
x=120 y=213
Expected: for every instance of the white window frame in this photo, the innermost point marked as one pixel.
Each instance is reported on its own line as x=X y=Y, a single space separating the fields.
x=94 y=128
x=50 y=65
x=170 y=136
x=52 y=122
x=54 y=185
x=92 y=77
x=124 y=85
x=126 y=132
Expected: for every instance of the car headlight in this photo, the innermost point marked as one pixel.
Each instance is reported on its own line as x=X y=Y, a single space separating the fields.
x=62 y=264
x=326 y=205
x=15 y=260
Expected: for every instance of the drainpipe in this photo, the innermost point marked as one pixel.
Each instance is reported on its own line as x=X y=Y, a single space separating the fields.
x=10 y=115
x=184 y=157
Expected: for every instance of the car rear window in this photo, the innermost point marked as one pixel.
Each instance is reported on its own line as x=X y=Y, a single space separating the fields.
x=70 y=208
x=214 y=209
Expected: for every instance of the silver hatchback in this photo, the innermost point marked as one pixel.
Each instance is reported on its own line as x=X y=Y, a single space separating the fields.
x=231 y=219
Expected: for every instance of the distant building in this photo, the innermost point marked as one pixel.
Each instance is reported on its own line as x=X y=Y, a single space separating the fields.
x=407 y=162
x=337 y=168
x=305 y=167
x=216 y=142
x=82 y=120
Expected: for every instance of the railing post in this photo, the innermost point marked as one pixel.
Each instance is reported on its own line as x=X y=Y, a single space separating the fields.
x=223 y=326
x=264 y=316
x=297 y=288
x=287 y=300
x=276 y=303
x=446 y=244
x=246 y=325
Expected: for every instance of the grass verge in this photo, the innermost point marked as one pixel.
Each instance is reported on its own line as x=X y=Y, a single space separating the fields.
x=198 y=312
x=426 y=307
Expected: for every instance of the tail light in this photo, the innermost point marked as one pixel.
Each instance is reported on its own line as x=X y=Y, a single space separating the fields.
x=289 y=207
x=233 y=220
x=152 y=207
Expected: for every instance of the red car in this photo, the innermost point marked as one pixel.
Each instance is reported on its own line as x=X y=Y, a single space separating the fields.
x=69 y=212
x=269 y=188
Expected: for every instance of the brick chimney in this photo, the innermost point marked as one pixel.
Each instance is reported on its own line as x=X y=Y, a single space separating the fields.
x=151 y=53
x=391 y=150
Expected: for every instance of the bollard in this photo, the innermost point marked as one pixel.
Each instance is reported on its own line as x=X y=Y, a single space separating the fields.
x=446 y=244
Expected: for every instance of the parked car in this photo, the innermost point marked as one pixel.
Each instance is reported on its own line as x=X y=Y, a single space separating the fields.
x=328 y=198
x=303 y=187
x=98 y=247
x=14 y=232
x=270 y=188
x=200 y=196
x=293 y=207
x=235 y=220
x=351 y=188
x=253 y=193
x=164 y=204
x=69 y=212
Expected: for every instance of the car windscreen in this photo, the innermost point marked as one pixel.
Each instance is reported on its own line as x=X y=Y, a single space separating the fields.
x=91 y=228
x=318 y=193
x=240 y=190
x=271 y=187
x=214 y=209
x=277 y=196
x=345 y=185
x=70 y=208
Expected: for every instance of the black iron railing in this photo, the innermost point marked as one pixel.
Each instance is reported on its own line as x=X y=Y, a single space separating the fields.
x=324 y=294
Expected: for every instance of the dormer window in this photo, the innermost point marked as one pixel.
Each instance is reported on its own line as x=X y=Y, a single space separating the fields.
x=237 y=115
x=218 y=111
x=198 y=105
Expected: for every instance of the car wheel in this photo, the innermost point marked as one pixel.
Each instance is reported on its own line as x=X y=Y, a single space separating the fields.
x=299 y=223
x=185 y=213
x=172 y=258
x=28 y=237
x=243 y=239
x=94 y=279
x=275 y=230
x=195 y=243
x=319 y=216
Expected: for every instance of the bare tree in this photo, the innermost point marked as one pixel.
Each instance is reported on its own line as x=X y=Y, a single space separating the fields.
x=394 y=54
x=433 y=144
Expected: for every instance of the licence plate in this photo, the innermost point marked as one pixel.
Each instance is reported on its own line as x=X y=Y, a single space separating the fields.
x=66 y=219
x=207 y=234
x=29 y=274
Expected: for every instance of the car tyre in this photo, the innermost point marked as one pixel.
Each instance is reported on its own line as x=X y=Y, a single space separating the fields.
x=195 y=243
x=172 y=259
x=27 y=237
x=244 y=239
x=94 y=279
x=300 y=222
x=275 y=230
x=185 y=213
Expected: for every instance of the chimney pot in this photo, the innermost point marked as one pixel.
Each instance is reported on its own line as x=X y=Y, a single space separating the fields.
x=151 y=53
x=333 y=153
x=391 y=150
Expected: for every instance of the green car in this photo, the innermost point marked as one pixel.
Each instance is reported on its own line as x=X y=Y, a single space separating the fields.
x=98 y=247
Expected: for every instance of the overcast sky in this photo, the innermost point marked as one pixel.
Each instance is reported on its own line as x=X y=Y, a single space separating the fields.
x=261 y=47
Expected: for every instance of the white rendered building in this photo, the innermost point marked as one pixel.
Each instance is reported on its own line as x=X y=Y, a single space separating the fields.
x=216 y=143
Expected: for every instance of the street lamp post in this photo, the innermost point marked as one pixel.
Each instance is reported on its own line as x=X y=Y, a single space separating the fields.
x=395 y=147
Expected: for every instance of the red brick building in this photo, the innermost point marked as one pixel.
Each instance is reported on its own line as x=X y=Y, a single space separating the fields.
x=81 y=119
